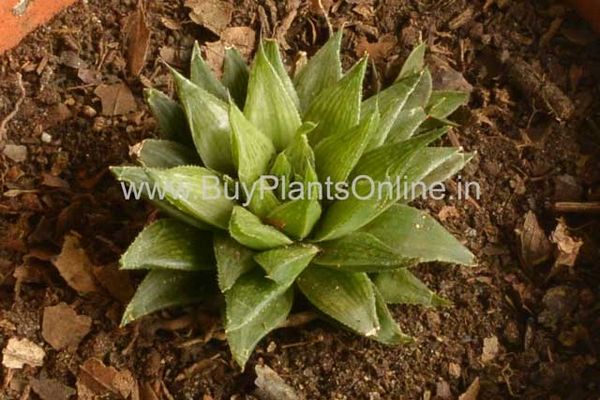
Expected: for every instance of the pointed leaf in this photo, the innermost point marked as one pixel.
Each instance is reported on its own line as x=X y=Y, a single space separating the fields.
x=274 y=56
x=170 y=244
x=233 y=260
x=321 y=72
x=136 y=184
x=371 y=196
x=422 y=93
x=414 y=62
x=208 y=118
x=252 y=151
x=390 y=333
x=390 y=103
x=203 y=76
x=251 y=295
x=402 y=287
x=287 y=261
x=235 y=75
x=282 y=169
x=296 y=217
x=337 y=109
x=406 y=125
x=444 y=168
x=169 y=115
x=154 y=153
x=263 y=200
x=247 y=229
x=299 y=153
x=243 y=339
x=360 y=252
x=444 y=102
x=346 y=297
x=269 y=106
x=416 y=235
x=196 y=191
x=163 y=288
x=337 y=155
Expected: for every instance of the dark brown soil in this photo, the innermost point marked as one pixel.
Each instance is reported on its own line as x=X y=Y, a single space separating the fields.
x=547 y=324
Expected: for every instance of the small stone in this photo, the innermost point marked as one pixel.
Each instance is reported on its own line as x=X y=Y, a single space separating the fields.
x=15 y=152
x=271 y=347
x=511 y=332
x=89 y=111
x=99 y=124
x=442 y=390
x=19 y=352
x=46 y=137
x=490 y=349
x=454 y=370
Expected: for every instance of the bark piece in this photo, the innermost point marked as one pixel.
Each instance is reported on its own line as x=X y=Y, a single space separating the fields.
x=62 y=327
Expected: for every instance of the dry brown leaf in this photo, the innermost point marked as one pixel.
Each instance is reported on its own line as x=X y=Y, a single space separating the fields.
x=214 y=15
x=170 y=23
x=271 y=386
x=116 y=282
x=19 y=352
x=490 y=349
x=379 y=50
x=75 y=267
x=240 y=37
x=472 y=392
x=137 y=40
x=62 y=327
x=535 y=246
x=567 y=245
x=445 y=77
x=89 y=76
x=51 y=389
x=116 y=99
x=214 y=54
x=96 y=379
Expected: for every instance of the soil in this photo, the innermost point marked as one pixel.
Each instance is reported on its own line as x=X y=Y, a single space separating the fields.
x=546 y=319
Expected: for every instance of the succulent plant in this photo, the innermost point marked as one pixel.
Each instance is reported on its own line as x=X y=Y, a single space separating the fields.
x=349 y=256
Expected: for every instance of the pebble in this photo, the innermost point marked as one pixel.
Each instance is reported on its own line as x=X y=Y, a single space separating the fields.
x=89 y=111
x=15 y=152
x=46 y=137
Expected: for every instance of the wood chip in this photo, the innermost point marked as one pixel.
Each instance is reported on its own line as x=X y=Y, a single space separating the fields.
x=472 y=392
x=19 y=352
x=62 y=327
x=379 y=50
x=240 y=37
x=116 y=99
x=75 y=267
x=535 y=246
x=15 y=152
x=115 y=281
x=271 y=386
x=214 y=15
x=137 y=40
x=546 y=93
x=490 y=349
x=567 y=245
x=96 y=379
x=51 y=389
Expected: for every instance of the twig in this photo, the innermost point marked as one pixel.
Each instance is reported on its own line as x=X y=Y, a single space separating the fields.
x=299 y=319
x=14 y=112
x=577 y=207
